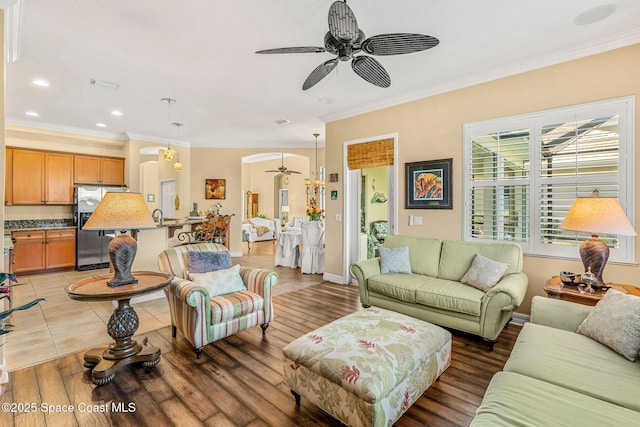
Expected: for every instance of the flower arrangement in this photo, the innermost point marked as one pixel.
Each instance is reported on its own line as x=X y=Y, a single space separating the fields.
x=315 y=213
x=215 y=209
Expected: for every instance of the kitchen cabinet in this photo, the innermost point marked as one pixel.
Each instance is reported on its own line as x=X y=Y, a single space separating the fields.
x=41 y=177
x=37 y=250
x=98 y=170
x=8 y=180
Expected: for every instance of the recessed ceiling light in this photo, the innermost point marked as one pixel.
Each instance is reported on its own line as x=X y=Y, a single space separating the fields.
x=32 y=114
x=116 y=113
x=326 y=100
x=101 y=125
x=41 y=83
x=596 y=14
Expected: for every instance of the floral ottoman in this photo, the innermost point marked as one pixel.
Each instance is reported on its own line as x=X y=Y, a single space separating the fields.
x=367 y=368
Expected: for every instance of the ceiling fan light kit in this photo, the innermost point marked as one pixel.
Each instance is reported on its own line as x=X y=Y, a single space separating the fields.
x=345 y=40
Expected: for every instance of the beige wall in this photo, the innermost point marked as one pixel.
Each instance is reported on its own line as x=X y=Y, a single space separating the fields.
x=431 y=128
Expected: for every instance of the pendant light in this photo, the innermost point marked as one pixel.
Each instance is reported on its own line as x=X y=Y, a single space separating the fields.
x=177 y=166
x=313 y=188
x=168 y=152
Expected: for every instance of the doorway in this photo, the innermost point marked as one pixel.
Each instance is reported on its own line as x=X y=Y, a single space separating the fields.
x=370 y=197
x=168 y=198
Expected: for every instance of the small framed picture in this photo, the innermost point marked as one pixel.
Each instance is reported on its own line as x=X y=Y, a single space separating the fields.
x=334 y=194
x=333 y=177
x=215 y=188
x=429 y=184
x=151 y=197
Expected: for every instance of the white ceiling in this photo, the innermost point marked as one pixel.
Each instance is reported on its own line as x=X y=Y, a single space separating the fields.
x=201 y=53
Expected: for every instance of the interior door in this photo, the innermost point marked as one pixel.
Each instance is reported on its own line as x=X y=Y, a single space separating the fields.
x=167 y=198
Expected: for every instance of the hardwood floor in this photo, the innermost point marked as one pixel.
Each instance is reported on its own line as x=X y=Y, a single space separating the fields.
x=238 y=380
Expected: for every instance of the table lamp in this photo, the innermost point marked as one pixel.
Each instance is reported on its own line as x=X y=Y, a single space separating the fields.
x=597 y=215
x=121 y=211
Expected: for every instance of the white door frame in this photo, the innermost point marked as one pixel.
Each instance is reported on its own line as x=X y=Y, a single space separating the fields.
x=351 y=203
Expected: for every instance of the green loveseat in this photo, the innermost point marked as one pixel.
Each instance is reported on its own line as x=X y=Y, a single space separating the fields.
x=433 y=291
x=557 y=377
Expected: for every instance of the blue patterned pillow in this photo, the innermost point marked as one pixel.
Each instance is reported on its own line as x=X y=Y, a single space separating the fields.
x=204 y=262
x=395 y=260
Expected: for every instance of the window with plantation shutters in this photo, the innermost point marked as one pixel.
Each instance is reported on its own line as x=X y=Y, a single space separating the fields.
x=523 y=174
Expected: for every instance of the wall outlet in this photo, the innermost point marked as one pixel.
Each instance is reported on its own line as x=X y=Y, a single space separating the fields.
x=417 y=220
x=338 y=217
x=410 y=219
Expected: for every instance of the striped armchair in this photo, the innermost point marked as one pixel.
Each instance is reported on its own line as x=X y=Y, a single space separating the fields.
x=202 y=319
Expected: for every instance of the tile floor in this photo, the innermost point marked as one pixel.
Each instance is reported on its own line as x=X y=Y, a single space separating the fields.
x=60 y=326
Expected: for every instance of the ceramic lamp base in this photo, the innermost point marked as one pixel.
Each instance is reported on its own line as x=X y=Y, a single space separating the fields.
x=122 y=252
x=595 y=253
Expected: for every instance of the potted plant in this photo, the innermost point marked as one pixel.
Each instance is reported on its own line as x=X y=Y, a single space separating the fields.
x=8 y=281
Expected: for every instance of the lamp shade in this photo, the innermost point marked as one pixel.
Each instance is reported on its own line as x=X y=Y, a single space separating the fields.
x=120 y=211
x=598 y=215
x=285 y=209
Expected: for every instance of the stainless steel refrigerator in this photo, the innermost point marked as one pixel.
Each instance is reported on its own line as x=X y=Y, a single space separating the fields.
x=91 y=245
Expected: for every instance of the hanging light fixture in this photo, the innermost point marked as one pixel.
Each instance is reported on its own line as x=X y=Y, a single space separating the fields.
x=177 y=165
x=168 y=152
x=313 y=188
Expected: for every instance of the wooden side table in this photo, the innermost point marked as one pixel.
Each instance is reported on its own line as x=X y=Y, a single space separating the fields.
x=123 y=323
x=554 y=289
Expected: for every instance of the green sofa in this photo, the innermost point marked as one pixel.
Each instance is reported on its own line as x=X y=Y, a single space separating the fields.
x=433 y=291
x=557 y=377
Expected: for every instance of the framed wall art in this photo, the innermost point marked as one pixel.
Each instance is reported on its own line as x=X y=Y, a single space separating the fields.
x=215 y=188
x=429 y=184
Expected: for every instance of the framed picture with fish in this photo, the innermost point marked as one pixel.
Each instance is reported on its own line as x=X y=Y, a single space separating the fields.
x=429 y=184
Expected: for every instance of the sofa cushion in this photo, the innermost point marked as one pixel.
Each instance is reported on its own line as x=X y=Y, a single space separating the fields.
x=230 y=306
x=396 y=285
x=395 y=260
x=576 y=362
x=424 y=254
x=615 y=322
x=204 y=262
x=484 y=273
x=450 y=295
x=517 y=400
x=457 y=256
x=220 y=282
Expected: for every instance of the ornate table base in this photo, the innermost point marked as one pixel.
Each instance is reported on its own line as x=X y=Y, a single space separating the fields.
x=105 y=361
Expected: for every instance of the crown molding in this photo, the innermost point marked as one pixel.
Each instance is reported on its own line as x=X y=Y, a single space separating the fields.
x=29 y=126
x=495 y=71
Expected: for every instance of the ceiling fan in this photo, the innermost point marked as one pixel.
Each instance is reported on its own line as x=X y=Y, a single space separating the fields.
x=282 y=169
x=345 y=40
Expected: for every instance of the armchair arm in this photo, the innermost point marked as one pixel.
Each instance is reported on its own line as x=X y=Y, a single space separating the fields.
x=558 y=314
x=190 y=310
x=515 y=286
x=261 y=281
x=361 y=271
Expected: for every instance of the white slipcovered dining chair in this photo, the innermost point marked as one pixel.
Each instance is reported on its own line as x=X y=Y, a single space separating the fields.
x=312 y=257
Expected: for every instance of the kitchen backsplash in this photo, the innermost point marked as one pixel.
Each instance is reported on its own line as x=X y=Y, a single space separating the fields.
x=15 y=224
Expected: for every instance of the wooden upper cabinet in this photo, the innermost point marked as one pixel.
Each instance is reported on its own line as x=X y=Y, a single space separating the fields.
x=41 y=177
x=58 y=187
x=8 y=177
x=28 y=177
x=99 y=170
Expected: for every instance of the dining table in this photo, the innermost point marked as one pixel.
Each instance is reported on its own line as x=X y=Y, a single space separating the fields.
x=288 y=248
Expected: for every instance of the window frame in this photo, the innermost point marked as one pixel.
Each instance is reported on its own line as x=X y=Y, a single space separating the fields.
x=624 y=107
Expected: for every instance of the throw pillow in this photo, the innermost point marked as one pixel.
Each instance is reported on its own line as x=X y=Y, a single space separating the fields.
x=203 y=262
x=484 y=273
x=615 y=322
x=395 y=260
x=220 y=282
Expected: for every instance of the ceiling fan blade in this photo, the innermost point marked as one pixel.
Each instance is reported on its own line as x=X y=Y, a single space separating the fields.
x=299 y=49
x=273 y=171
x=290 y=172
x=342 y=22
x=371 y=70
x=398 y=43
x=319 y=73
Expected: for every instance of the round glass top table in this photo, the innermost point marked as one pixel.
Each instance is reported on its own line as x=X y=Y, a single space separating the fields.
x=106 y=360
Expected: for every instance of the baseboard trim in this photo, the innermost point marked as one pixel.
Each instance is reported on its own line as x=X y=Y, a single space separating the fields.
x=520 y=319
x=334 y=278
